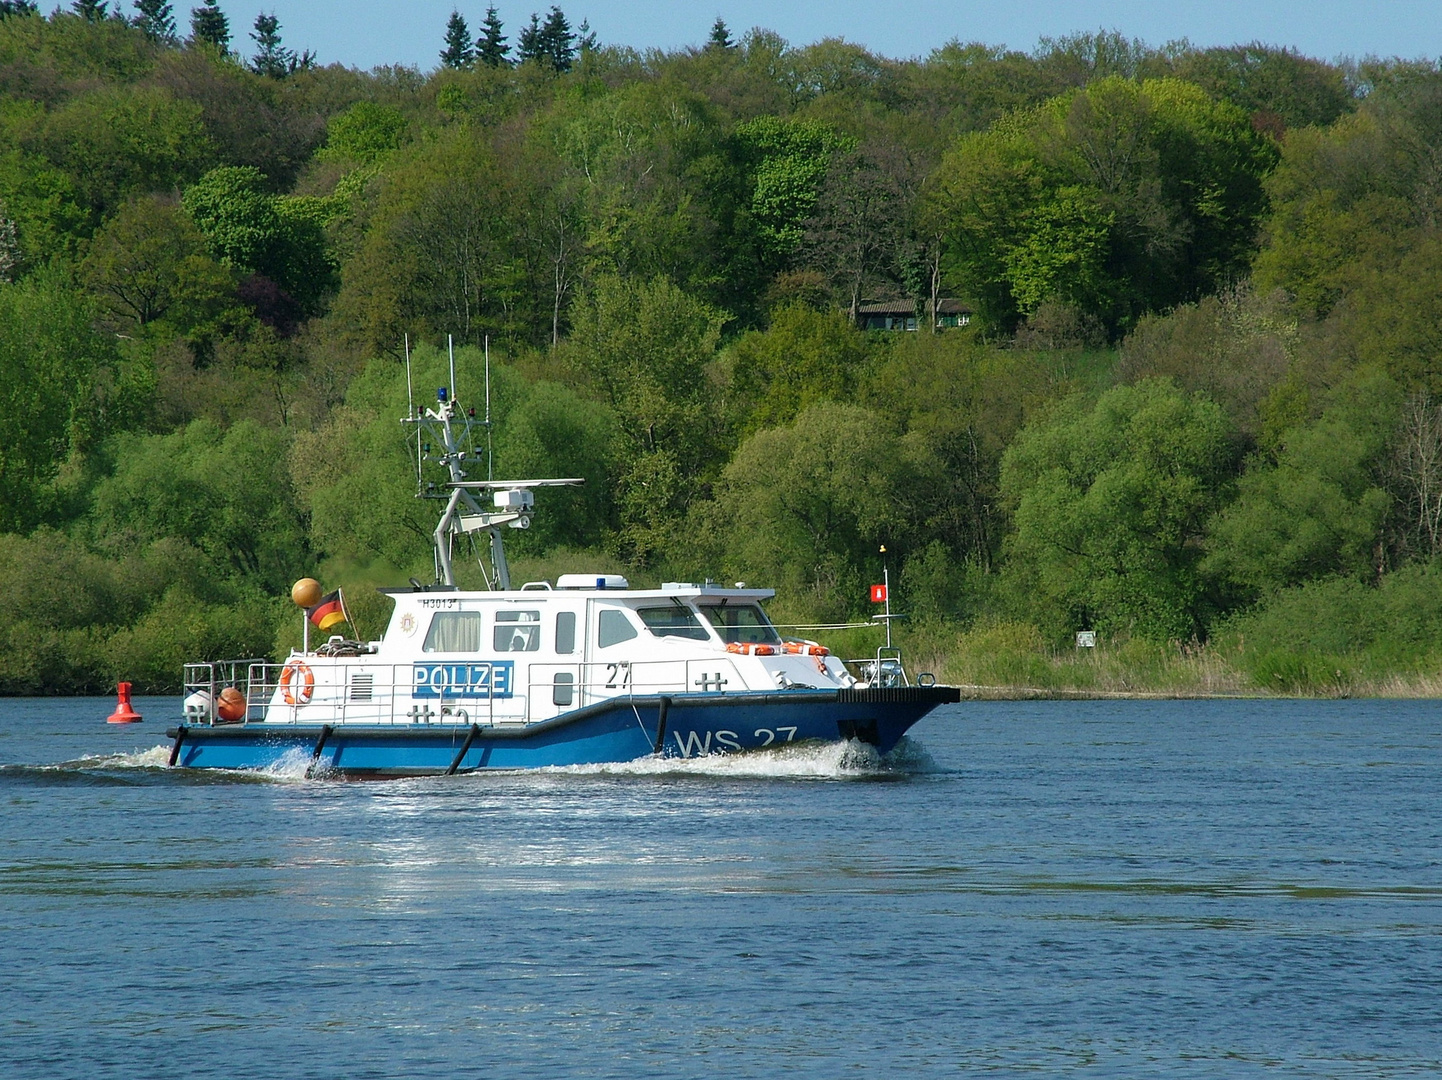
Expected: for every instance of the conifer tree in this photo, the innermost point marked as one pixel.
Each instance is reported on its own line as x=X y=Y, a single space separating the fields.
x=529 y=42
x=18 y=7
x=530 y=45
x=89 y=10
x=209 y=24
x=720 y=36
x=557 y=41
x=586 y=38
x=458 y=52
x=156 y=18
x=491 y=47
x=273 y=59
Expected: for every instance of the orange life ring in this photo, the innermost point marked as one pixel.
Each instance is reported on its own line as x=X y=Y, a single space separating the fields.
x=806 y=648
x=299 y=674
x=750 y=648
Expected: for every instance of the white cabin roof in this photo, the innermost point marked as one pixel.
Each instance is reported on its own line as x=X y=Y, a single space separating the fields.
x=670 y=589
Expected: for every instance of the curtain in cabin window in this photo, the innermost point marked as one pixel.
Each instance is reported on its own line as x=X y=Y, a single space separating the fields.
x=455 y=631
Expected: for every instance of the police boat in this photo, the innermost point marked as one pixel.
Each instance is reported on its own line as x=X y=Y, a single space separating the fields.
x=581 y=671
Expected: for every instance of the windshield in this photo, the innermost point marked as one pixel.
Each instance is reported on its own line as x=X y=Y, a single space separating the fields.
x=673 y=621
x=744 y=623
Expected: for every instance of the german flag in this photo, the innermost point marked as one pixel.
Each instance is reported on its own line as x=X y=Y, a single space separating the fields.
x=328 y=611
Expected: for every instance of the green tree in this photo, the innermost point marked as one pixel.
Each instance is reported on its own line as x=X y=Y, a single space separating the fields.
x=720 y=36
x=491 y=47
x=52 y=367
x=116 y=141
x=437 y=258
x=1350 y=202
x=860 y=232
x=586 y=39
x=458 y=52
x=960 y=404
x=805 y=507
x=647 y=348
x=530 y=45
x=1320 y=508
x=1393 y=317
x=365 y=133
x=1279 y=88
x=254 y=232
x=157 y=19
x=551 y=430
x=231 y=207
x=630 y=154
x=208 y=24
x=225 y=491
x=804 y=356
x=90 y=10
x=1110 y=502
x=788 y=162
x=272 y=59
x=1238 y=348
x=557 y=42
x=149 y=263
x=357 y=477
x=46 y=209
x=1120 y=198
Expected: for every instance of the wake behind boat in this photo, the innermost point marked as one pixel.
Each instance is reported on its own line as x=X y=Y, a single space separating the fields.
x=582 y=671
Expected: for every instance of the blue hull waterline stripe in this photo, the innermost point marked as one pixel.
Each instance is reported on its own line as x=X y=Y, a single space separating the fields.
x=620 y=729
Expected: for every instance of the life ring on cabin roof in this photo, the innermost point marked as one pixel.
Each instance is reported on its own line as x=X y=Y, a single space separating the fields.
x=806 y=648
x=750 y=648
x=297 y=682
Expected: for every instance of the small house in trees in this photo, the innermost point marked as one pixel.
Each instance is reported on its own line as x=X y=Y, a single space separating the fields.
x=901 y=314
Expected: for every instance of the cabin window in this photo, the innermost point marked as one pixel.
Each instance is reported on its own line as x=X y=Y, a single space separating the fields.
x=455 y=631
x=565 y=633
x=613 y=627
x=673 y=621
x=744 y=623
x=517 y=631
x=563 y=688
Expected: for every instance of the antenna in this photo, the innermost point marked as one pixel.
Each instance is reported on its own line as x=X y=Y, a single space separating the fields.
x=411 y=411
x=410 y=400
x=490 y=460
x=451 y=347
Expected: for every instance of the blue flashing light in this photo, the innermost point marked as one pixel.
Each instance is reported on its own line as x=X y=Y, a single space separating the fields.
x=441 y=394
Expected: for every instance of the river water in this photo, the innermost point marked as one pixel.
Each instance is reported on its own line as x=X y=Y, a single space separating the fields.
x=1097 y=889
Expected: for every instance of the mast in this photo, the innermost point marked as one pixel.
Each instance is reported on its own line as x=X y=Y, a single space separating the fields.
x=463 y=513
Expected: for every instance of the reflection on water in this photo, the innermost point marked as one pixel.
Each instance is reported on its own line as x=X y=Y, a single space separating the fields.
x=1108 y=889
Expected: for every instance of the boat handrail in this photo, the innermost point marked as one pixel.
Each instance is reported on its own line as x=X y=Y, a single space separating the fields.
x=884 y=669
x=369 y=692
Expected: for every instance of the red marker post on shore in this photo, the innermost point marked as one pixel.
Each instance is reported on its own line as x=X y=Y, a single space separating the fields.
x=881 y=594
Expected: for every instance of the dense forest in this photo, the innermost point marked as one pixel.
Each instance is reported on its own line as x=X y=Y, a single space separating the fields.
x=1197 y=406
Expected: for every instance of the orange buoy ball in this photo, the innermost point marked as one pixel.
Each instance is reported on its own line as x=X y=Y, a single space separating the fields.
x=230 y=705
x=306 y=592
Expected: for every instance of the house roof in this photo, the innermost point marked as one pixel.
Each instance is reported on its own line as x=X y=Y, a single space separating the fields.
x=944 y=306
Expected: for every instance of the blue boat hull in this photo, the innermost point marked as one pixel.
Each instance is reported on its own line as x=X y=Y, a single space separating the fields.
x=621 y=729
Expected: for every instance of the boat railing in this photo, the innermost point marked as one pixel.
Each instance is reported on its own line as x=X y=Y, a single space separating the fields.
x=450 y=691
x=367 y=692
x=883 y=669
x=554 y=687
x=210 y=677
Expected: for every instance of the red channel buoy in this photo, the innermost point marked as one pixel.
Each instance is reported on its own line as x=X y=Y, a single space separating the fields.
x=123 y=713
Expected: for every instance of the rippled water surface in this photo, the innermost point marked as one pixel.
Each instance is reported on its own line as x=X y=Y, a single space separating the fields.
x=1226 y=889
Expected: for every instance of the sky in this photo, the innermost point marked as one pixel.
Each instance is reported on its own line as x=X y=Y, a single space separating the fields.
x=369 y=33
